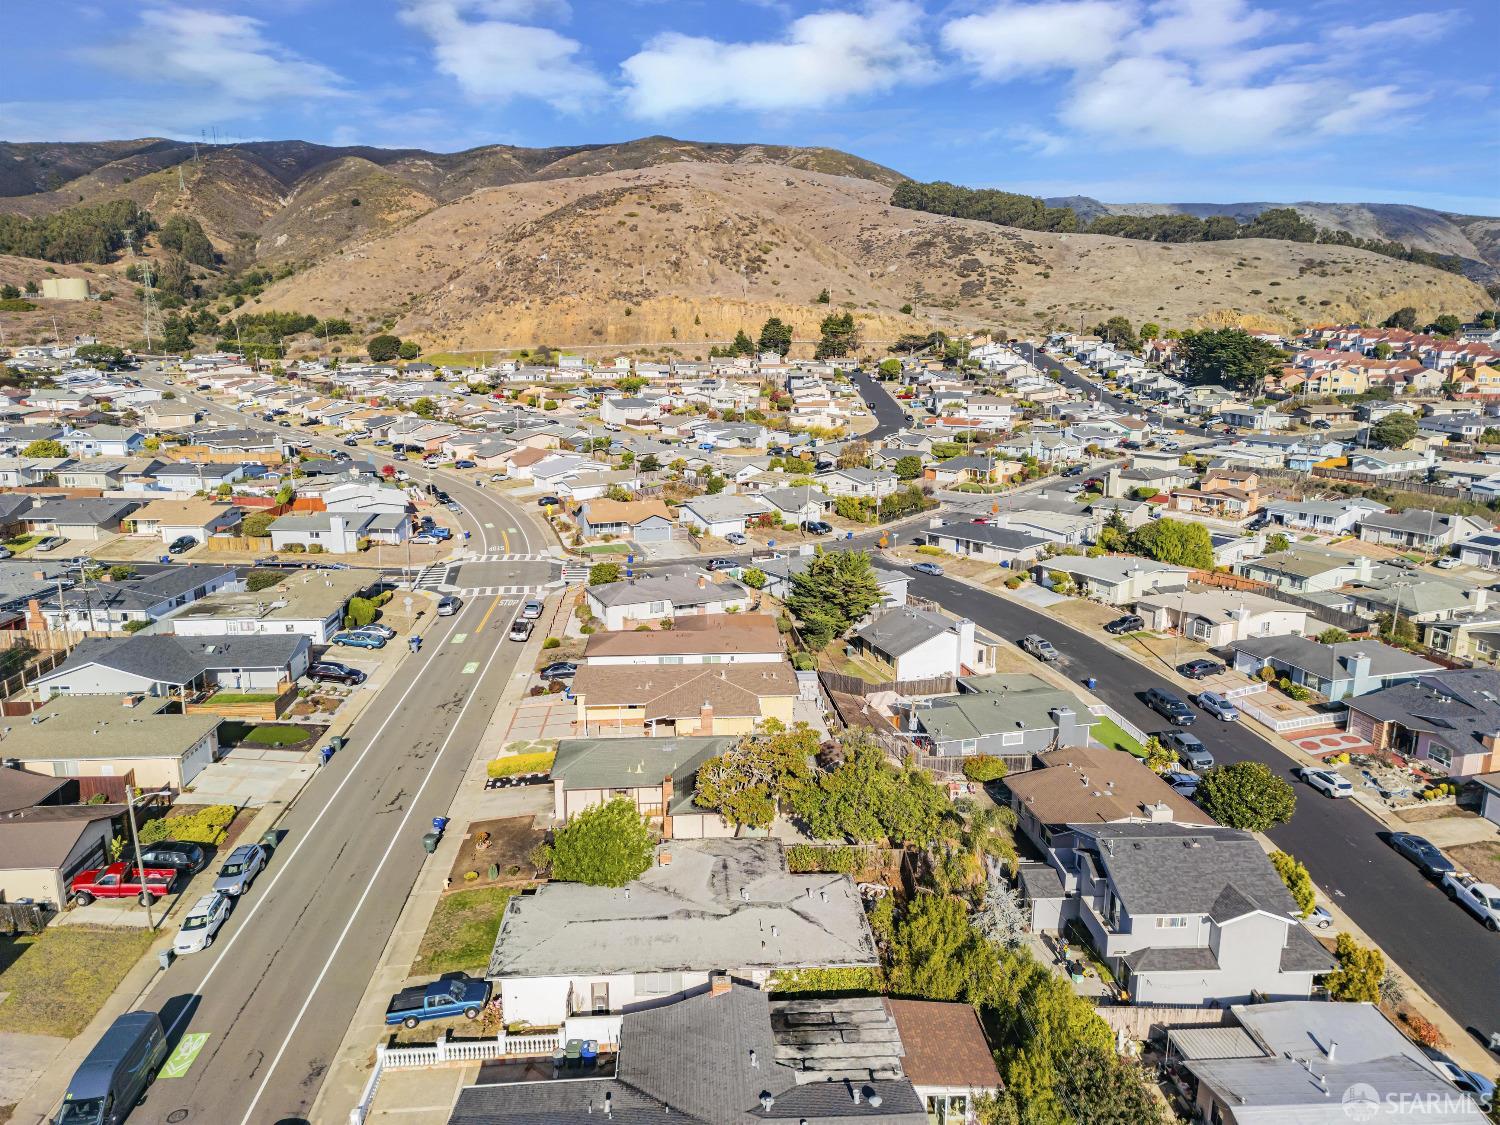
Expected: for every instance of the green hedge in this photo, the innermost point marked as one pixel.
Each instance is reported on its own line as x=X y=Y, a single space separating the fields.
x=859 y=979
x=984 y=767
x=802 y=859
x=539 y=762
x=206 y=826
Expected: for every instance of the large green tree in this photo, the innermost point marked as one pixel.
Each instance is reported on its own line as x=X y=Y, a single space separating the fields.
x=607 y=845
x=908 y=467
x=1358 y=972
x=776 y=336
x=1247 y=795
x=1117 y=330
x=383 y=348
x=865 y=799
x=100 y=355
x=1174 y=541
x=1394 y=430
x=835 y=590
x=840 y=336
x=748 y=782
x=45 y=447
x=1230 y=356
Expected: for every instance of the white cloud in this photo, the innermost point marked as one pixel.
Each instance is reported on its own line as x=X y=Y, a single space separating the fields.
x=1199 y=28
x=215 y=51
x=824 y=59
x=1398 y=33
x=1015 y=39
x=1040 y=141
x=480 y=44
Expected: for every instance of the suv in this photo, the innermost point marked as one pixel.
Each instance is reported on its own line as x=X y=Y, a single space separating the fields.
x=1167 y=705
x=1327 y=781
x=1189 y=749
x=448 y=605
x=816 y=527
x=1130 y=623
x=1200 y=669
x=332 y=672
x=1039 y=647
x=184 y=858
x=1218 y=706
x=202 y=923
x=240 y=869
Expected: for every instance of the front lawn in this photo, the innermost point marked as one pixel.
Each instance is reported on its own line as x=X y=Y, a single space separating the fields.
x=57 y=980
x=1107 y=732
x=462 y=931
x=606 y=549
x=276 y=735
x=23 y=542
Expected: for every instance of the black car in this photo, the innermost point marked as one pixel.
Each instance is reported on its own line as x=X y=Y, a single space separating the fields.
x=816 y=527
x=1130 y=623
x=182 y=543
x=1200 y=669
x=549 y=502
x=332 y=672
x=1423 y=852
x=1073 y=471
x=1167 y=705
x=718 y=564
x=182 y=857
x=559 y=670
x=351 y=443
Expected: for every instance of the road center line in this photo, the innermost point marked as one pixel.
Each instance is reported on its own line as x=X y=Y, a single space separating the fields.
x=485 y=620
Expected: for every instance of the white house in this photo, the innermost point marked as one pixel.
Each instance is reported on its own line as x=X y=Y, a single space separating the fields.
x=872 y=483
x=720 y=515
x=918 y=643
x=336 y=533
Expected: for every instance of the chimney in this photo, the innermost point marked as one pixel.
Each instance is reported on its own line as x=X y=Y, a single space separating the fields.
x=34 y=618
x=1358 y=665
x=705 y=719
x=719 y=984
x=1158 y=812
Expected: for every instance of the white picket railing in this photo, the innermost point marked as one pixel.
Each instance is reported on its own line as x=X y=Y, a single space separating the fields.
x=1268 y=718
x=503 y=1045
x=1105 y=711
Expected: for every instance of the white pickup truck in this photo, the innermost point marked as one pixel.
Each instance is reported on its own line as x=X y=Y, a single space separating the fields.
x=1480 y=899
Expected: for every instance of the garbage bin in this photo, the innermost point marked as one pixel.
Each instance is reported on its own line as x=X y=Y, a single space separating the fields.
x=270 y=839
x=164 y=958
x=440 y=824
x=338 y=742
x=430 y=841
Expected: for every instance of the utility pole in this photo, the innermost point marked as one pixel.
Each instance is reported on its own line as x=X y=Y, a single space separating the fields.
x=135 y=840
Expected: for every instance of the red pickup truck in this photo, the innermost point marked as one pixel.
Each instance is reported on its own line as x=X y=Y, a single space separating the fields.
x=122 y=880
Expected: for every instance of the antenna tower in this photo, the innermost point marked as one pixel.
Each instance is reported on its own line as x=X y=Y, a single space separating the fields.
x=150 y=313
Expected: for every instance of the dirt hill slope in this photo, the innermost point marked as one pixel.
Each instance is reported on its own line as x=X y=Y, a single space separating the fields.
x=114 y=321
x=687 y=253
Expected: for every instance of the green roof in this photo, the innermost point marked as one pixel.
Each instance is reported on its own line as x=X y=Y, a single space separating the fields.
x=104 y=726
x=995 y=704
x=631 y=763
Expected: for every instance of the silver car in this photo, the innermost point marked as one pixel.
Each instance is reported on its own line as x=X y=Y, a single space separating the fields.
x=240 y=869
x=1218 y=706
x=202 y=923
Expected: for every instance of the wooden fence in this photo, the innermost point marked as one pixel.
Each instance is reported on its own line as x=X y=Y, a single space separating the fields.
x=238 y=543
x=111 y=787
x=1141 y=1021
x=853 y=685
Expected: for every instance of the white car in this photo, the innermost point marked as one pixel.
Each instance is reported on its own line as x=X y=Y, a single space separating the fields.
x=1447 y=562
x=1327 y=781
x=202 y=923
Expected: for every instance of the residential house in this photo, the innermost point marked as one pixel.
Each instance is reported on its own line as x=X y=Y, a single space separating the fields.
x=989 y=543
x=947 y=1058
x=1323 y=516
x=628 y=411
x=1481 y=550
x=88 y=520
x=104 y=441
x=719 y=515
x=44 y=843
x=1114 y=580
x=703 y=906
x=1489 y=800
x=1218 y=617
x=969 y=469
x=658 y=775
x=779 y=571
x=1013 y=716
x=667 y=594
x=167 y=665
x=170 y=520
x=169 y=415
x=336 y=533
x=1420 y=530
x=1185 y=915
x=1462 y=426
x=1305 y=569
x=1340 y=671
x=112 y=605
x=1314 y=1063
x=187 y=476
x=726 y=1054
x=114 y=736
x=310 y=603
x=28 y=472
x=715 y=638
x=796 y=504
x=919 y=644
x=863 y=483
x=1447 y=719
x=643 y=521
x=662 y=700
x=1249 y=417
x=1392 y=462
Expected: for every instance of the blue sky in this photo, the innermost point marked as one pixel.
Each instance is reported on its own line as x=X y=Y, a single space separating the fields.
x=1125 y=100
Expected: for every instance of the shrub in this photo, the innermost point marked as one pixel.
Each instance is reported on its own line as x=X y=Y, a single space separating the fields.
x=539 y=762
x=315 y=548
x=294 y=548
x=206 y=826
x=984 y=767
x=1423 y=1030
x=803 y=859
x=1013 y=582
x=552 y=642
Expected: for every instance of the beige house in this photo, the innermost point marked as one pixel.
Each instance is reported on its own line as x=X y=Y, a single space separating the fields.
x=687 y=699
x=42 y=849
x=172 y=519
x=110 y=736
x=1219 y=617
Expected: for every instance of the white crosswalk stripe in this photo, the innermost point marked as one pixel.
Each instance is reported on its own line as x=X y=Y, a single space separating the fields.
x=496 y=556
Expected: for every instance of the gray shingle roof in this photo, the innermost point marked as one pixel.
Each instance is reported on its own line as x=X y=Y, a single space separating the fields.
x=170 y=659
x=899 y=630
x=989 y=535
x=992 y=704
x=1328 y=662
x=1459 y=708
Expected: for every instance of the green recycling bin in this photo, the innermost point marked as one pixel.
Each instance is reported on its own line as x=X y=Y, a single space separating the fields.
x=430 y=841
x=338 y=742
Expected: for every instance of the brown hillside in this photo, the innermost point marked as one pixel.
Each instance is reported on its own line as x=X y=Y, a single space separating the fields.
x=691 y=252
x=114 y=321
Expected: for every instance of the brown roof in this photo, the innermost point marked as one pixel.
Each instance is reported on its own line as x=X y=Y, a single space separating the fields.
x=944 y=1045
x=1091 y=785
x=529 y=456
x=626 y=511
x=729 y=634
x=44 y=842
x=190 y=513
x=678 y=690
x=21 y=789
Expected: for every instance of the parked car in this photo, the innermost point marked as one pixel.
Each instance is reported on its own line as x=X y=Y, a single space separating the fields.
x=182 y=543
x=49 y=543
x=1447 y=562
x=1073 y=471
x=1200 y=669
x=1189 y=749
x=202 y=923
x=6 y=552
x=1327 y=781
x=931 y=568
x=384 y=632
x=737 y=538
x=719 y=564
x=531 y=610
x=1466 y=1080
x=240 y=869
x=1218 y=706
x=559 y=670
x=452 y=996
x=1183 y=782
x=1130 y=623
x=114 y=1075
x=356 y=639
x=425 y=539
x=351 y=443
x=183 y=858
x=1039 y=647
x=1480 y=899
x=448 y=605
x=817 y=527
x=520 y=629
x=453 y=505
x=1318 y=919
x=1423 y=852
x=465 y=464
x=332 y=672
x=549 y=502
x=1167 y=705
x=122 y=880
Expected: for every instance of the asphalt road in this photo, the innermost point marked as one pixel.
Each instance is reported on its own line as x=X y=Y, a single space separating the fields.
x=889 y=415
x=1442 y=946
x=278 y=988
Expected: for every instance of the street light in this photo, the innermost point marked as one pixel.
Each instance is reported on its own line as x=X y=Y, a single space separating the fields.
x=140 y=868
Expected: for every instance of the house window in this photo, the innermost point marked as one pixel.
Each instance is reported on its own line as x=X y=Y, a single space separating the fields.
x=968 y=745
x=657 y=984
x=671 y=660
x=1442 y=755
x=1172 y=922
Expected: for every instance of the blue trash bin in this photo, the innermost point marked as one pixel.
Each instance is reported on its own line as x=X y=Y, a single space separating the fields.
x=440 y=824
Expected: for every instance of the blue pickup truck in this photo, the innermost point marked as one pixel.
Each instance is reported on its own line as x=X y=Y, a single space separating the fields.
x=454 y=996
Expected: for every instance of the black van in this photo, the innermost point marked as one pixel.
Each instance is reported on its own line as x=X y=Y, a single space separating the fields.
x=113 y=1078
